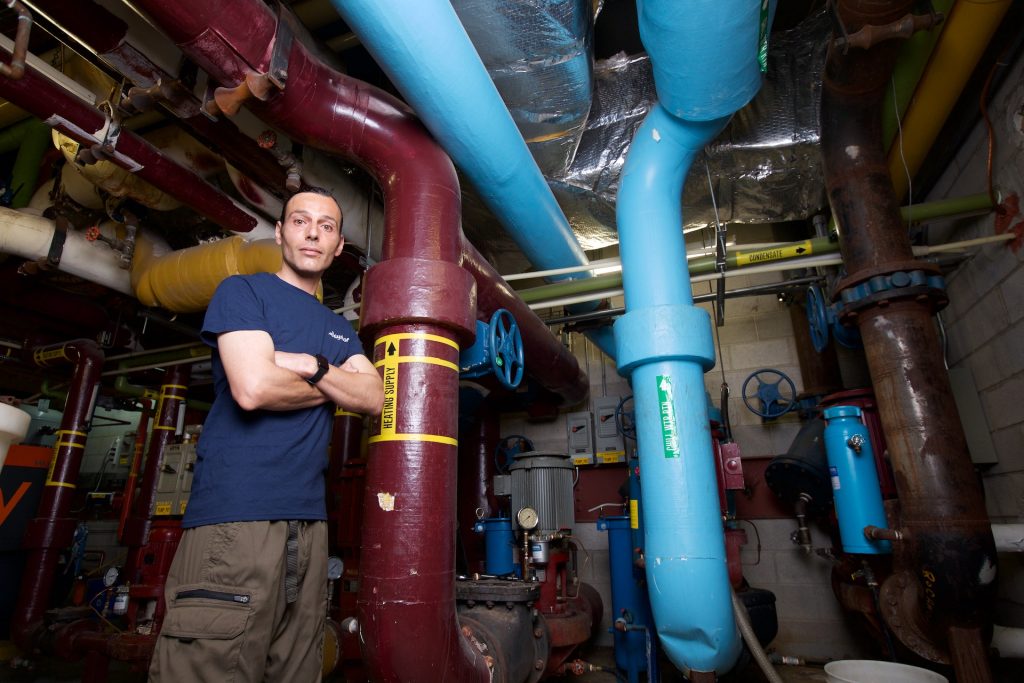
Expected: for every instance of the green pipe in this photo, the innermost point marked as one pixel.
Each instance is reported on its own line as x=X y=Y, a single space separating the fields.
x=34 y=143
x=910 y=64
x=941 y=208
x=11 y=137
x=737 y=259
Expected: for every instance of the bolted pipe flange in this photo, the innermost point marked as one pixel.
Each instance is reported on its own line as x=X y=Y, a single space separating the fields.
x=914 y=280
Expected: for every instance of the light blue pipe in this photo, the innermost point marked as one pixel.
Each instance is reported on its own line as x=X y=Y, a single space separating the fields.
x=704 y=55
x=664 y=343
x=424 y=50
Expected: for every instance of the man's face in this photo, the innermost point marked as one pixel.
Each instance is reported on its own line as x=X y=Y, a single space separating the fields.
x=310 y=236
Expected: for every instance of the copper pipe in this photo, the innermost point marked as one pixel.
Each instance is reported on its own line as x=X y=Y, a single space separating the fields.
x=53 y=528
x=16 y=69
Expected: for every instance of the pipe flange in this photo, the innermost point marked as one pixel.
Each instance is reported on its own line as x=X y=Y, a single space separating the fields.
x=496 y=591
x=900 y=607
x=923 y=285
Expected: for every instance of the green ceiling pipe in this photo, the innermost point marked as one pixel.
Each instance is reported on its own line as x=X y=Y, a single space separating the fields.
x=941 y=208
x=34 y=143
x=910 y=64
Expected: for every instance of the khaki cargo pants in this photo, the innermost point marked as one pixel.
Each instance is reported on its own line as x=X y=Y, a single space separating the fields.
x=229 y=617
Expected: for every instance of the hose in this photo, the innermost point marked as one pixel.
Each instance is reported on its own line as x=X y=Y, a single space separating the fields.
x=747 y=631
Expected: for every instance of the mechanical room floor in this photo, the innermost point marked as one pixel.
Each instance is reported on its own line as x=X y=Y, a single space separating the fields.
x=56 y=671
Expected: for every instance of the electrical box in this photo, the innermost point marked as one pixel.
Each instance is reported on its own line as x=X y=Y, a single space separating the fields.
x=608 y=443
x=175 y=481
x=581 y=442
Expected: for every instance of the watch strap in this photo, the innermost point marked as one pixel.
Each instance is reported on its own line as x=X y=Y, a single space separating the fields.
x=322 y=366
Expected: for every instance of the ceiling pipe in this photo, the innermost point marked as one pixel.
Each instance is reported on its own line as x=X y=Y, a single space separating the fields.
x=425 y=51
x=53 y=527
x=61 y=109
x=947 y=552
x=110 y=38
x=705 y=60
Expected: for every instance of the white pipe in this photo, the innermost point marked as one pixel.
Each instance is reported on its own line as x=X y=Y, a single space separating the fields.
x=957 y=246
x=1008 y=641
x=29 y=237
x=1009 y=537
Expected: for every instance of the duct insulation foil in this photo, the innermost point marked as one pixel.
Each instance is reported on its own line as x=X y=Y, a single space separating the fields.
x=543 y=481
x=538 y=53
x=765 y=166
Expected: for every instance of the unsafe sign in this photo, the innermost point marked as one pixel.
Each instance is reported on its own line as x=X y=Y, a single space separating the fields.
x=667 y=410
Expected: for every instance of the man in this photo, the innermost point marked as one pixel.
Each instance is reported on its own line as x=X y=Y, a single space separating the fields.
x=247 y=590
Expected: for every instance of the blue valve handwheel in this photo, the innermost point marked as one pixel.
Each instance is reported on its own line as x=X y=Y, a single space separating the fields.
x=817 y=318
x=772 y=402
x=506 y=348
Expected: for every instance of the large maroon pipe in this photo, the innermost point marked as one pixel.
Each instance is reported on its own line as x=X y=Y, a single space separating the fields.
x=478 y=441
x=941 y=592
x=105 y=34
x=80 y=121
x=419 y=303
x=53 y=529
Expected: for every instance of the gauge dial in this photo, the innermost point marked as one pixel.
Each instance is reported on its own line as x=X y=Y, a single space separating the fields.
x=335 y=567
x=110 y=576
x=527 y=518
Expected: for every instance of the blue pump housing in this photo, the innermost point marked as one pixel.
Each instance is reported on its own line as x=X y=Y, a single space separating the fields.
x=855 y=488
x=629 y=602
x=499 y=545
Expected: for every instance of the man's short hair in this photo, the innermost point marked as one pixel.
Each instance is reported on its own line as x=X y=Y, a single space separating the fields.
x=311 y=189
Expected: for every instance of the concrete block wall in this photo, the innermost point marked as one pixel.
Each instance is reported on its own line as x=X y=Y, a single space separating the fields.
x=985 y=318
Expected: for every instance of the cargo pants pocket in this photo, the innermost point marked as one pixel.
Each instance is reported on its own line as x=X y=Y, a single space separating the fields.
x=208 y=624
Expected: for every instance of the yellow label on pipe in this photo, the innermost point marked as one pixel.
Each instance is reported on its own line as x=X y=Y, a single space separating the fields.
x=634 y=514
x=747 y=258
x=389 y=414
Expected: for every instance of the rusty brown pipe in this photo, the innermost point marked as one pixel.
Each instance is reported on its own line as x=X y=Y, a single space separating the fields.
x=945 y=566
x=16 y=69
x=53 y=528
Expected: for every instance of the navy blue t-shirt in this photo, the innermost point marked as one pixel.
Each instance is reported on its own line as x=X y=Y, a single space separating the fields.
x=266 y=464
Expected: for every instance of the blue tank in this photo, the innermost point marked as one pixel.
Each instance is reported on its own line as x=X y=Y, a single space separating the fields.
x=499 y=545
x=629 y=602
x=855 y=487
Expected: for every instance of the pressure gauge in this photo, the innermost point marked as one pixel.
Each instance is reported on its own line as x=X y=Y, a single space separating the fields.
x=335 y=567
x=110 y=577
x=527 y=518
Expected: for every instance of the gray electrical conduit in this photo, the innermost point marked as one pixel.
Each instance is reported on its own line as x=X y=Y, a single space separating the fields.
x=749 y=637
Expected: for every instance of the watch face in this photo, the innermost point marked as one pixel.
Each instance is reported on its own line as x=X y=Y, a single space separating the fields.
x=335 y=567
x=527 y=518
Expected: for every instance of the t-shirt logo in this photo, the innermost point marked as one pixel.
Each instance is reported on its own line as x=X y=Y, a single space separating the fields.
x=335 y=335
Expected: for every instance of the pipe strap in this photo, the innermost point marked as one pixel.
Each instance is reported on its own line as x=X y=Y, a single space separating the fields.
x=677 y=332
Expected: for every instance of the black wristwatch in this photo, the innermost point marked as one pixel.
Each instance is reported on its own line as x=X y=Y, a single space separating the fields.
x=322 y=366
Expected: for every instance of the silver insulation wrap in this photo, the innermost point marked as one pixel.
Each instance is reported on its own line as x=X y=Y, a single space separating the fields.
x=539 y=55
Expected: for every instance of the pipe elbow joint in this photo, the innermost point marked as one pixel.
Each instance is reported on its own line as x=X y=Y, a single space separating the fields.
x=674 y=332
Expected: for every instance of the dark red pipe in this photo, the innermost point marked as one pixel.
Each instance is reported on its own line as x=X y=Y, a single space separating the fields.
x=53 y=529
x=173 y=394
x=407 y=590
x=478 y=440
x=73 y=117
x=938 y=601
x=141 y=435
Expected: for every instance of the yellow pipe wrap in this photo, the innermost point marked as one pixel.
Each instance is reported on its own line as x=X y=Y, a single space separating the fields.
x=968 y=30
x=183 y=281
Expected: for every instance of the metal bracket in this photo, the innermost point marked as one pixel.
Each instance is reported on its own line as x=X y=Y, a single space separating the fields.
x=720 y=254
x=277 y=70
x=60 y=235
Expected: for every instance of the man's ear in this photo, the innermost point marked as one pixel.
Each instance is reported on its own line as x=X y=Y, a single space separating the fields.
x=277 y=232
x=341 y=245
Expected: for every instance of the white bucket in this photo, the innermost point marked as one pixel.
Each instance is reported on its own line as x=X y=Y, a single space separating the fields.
x=872 y=671
x=13 y=427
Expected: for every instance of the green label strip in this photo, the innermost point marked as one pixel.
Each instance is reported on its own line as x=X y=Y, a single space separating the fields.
x=669 y=428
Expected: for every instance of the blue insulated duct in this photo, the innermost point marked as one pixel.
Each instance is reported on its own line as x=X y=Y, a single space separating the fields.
x=424 y=50
x=704 y=55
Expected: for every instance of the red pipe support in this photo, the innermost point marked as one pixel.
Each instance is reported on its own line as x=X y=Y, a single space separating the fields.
x=173 y=394
x=60 y=109
x=53 y=528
